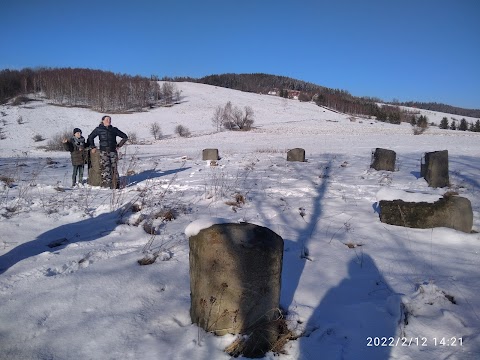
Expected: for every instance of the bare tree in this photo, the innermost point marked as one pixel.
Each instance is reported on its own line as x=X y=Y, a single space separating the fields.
x=155 y=130
x=182 y=131
x=232 y=118
x=227 y=116
x=169 y=93
x=217 y=119
x=243 y=121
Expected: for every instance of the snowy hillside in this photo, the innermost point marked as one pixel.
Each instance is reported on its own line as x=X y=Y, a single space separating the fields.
x=71 y=286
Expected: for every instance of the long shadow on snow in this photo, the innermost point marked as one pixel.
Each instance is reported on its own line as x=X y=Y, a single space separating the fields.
x=353 y=316
x=84 y=230
x=151 y=174
x=294 y=261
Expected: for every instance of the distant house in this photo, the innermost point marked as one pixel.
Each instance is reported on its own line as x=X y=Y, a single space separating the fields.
x=293 y=94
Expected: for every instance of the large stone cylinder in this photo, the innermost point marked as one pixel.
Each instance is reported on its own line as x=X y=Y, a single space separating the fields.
x=434 y=168
x=235 y=278
x=94 y=169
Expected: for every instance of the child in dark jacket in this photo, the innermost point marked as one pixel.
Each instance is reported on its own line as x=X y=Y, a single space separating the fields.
x=76 y=146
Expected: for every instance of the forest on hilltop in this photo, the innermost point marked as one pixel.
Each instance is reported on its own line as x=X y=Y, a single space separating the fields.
x=106 y=91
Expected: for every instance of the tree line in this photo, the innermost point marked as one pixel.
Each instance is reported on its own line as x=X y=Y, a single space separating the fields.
x=336 y=99
x=105 y=91
x=99 y=90
x=433 y=106
x=461 y=125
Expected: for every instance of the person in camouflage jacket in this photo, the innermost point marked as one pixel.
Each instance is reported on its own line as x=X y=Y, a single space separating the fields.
x=107 y=135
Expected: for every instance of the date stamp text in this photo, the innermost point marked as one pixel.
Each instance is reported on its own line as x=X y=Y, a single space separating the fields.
x=391 y=341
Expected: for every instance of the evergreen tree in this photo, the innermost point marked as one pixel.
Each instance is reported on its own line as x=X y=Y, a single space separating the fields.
x=422 y=122
x=453 y=126
x=476 y=128
x=463 y=125
x=471 y=127
x=413 y=120
x=444 y=123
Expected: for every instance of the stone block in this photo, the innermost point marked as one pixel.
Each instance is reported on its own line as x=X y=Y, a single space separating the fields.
x=434 y=168
x=383 y=159
x=296 y=154
x=210 y=154
x=450 y=211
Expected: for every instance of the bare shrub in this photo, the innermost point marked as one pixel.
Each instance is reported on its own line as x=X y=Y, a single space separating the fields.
x=417 y=130
x=244 y=121
x=155 y=130
x=233 y=118
x=182 y=131
x=7 y=180
x=55 y=143
x=2 y=135
x=19 y=100
x=132 y=138
x=38 y=138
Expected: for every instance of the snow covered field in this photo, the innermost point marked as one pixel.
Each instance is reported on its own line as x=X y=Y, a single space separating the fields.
x=88 y=298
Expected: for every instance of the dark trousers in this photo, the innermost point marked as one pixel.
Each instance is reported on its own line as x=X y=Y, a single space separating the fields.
x=77 y=169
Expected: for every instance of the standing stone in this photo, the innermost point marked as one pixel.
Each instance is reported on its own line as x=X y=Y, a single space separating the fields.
x=296 y=154
x=94 y=169
x=235 y=278
x=434 y=168
x=210 y=154
x=383 y=159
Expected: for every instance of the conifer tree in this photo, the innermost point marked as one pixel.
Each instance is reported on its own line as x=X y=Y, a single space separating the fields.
x=422 y=122
x=444 y=123
x=476 y=128
x=463 y=125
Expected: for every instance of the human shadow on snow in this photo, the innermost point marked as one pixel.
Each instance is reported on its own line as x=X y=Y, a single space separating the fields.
x=357 y=319
x=85 y=230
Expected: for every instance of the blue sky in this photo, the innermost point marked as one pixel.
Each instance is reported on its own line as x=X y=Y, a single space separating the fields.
x=423 y=50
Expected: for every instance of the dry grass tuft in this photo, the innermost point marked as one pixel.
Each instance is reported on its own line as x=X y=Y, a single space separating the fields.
x=7 y=180
x=238 y=201
x=351 y=245
x=244 y=345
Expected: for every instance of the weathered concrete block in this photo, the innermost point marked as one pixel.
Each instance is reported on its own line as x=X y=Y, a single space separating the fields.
x=383 y=159
x=434 y=168
x=450 y=211
x=296 y=154
x=235 y=278
x=94 y=169
x=210 y=154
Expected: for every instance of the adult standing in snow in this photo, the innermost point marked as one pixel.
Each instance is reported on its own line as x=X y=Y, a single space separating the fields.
x=107 y=135
x=76 y=146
